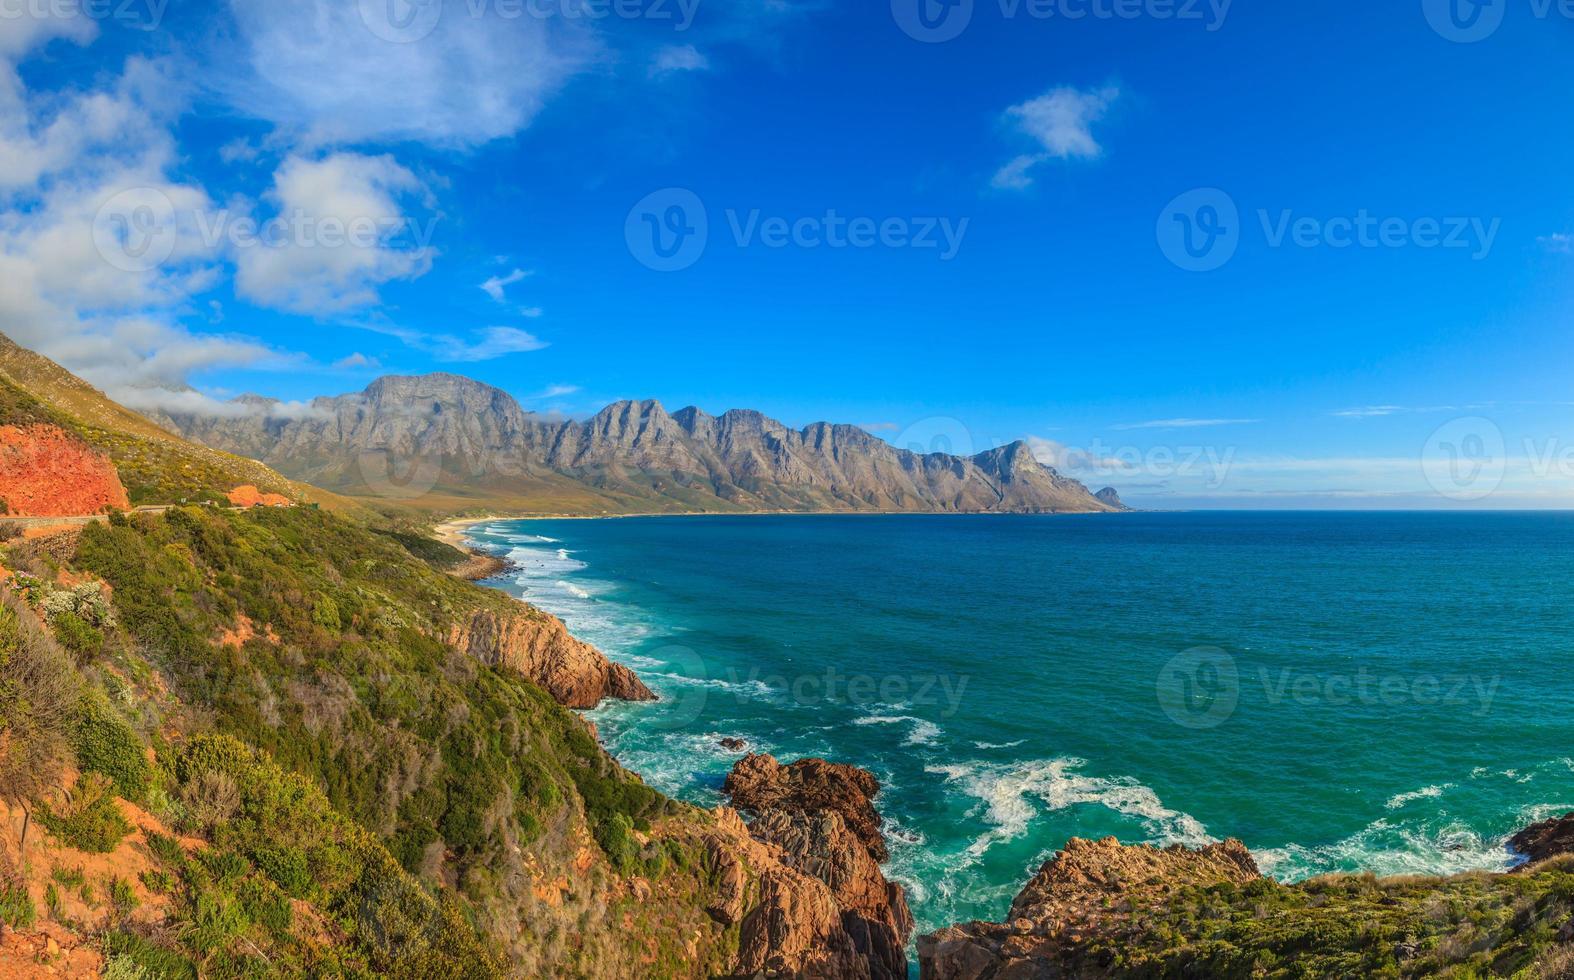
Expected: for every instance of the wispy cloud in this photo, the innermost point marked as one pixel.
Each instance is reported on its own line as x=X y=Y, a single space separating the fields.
x=1183 y=423
x=486 y=344
x=553 y=391
x=1061 y=122
x=1560 y=242
x=495 y=286
x=678 y=58
x=1368 y=412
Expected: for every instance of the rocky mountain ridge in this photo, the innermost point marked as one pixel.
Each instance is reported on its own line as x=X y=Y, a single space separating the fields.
x=442 y=438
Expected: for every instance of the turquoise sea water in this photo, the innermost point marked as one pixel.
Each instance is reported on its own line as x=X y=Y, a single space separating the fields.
x=1389 y=692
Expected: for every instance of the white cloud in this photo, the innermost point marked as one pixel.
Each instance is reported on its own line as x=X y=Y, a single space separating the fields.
x=495 y=286
x=1184 y=423
x=1369 y=411
x=319 y=68
x=1061 y=122
x=27 y=27
x=72 y=165
x=357 y=362
x=485 y=344
x=678 y=58
x=1560 y=242
x=1068 y=459
x=312 y=267
x=553 y=391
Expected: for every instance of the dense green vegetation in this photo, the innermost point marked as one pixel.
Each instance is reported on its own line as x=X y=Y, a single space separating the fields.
x=357 y=692
x=1474 y=925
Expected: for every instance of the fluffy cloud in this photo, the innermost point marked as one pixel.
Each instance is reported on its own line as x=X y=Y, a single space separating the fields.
x=94 y=268
x=342 y=229
x=1061 y=122
x=339 y=72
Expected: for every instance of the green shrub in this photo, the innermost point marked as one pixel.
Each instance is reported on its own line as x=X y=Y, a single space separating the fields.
x=77 y=636
x=288 y=869
x=106 y=744
x=122 y=897
x=158 y=961
x=16 y=908
x=90 y=819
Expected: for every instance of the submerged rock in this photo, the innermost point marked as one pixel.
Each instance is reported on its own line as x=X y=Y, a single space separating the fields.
x=1544 y=840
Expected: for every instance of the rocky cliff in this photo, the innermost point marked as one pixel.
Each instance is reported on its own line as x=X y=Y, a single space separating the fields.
x=539 y=647
x=1090 y=888
x=825 y=908
x=444 y=436
x=48 y=472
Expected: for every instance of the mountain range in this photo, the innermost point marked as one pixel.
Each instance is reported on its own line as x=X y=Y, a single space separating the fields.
x=445 y=441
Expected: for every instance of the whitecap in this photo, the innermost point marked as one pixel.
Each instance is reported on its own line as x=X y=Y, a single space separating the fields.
x=1385 y=848
x=1424 y=793
x=1005 y=794
x=923 y=733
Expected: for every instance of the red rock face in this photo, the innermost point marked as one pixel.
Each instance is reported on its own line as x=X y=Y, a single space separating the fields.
x=250 y=496
x=47 y=472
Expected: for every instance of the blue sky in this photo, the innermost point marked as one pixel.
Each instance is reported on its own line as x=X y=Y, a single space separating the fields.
x=1010 y=193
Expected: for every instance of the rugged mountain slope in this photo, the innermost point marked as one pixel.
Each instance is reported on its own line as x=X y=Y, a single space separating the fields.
x=156 y=466
x=441 y=439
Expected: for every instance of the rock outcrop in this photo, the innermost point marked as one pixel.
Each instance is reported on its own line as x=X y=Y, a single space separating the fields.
x=250 y=496
x=826 y=908
x=539 y=647
x=47 y=472
x=443 y=432
x=759 y=784
x=1111 y=498
x=1547 y=839
x=1090 y=887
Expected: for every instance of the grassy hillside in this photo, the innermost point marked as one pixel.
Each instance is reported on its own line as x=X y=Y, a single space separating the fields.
x=435 y=817
x=157 y=467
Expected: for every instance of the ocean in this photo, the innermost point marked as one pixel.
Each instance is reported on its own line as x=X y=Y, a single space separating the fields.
x=1343 y=692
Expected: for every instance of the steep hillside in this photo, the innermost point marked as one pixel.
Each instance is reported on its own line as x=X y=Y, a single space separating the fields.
x=155 y=465
x=442 y=441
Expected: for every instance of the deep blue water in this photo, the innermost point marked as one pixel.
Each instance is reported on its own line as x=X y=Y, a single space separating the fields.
x=1341 y=691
